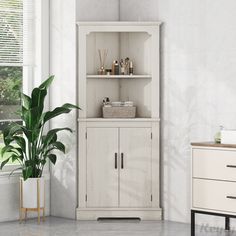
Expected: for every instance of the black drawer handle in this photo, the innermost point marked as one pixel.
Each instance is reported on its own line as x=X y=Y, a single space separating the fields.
x=115 y=160
x=231 y=197
x=122 y=160
x=231 y=166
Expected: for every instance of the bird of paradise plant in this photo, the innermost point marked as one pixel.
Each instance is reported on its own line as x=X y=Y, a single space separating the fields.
x=28 y=143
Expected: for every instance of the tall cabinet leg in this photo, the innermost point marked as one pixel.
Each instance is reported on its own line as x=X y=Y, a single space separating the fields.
x=227 y=223
x=192 y=223
x=21 y=205
x=38 y=201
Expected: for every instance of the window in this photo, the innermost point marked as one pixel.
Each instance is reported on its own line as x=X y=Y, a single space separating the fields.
x=11 y=61
x=24 y=58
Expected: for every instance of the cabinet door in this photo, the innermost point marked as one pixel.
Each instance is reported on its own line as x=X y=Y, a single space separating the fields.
x=135 y=167
x=102 y=174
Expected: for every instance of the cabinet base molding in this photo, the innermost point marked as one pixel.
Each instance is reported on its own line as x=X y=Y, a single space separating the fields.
x=95 y=213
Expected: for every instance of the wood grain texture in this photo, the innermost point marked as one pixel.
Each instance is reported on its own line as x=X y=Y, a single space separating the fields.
x=135 y=176
x=213 y=144
x=102 y=176
x=98 y=180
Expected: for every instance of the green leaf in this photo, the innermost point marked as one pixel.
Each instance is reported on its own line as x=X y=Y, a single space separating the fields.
x=4 y=163
x=26 y=101
x=52 y=158
x=66 y=108
x=56 y=112
x=49 y=150
x=6 y=137
x=47 y=82
x=11 y=130
x=32 y=117
x=38 y=97
x=29 y=163
x=59 y=146
x=47 y=140
x=71 y=106
x=14 y=129
x=15 y=157
x=35 y=134
x=27 y=172
x=50 y=137
x=21 y=142
x=24 y=114
x=8 y=149
x=43 y=162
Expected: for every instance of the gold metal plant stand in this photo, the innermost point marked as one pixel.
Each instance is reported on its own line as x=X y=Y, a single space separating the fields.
x=38 y=209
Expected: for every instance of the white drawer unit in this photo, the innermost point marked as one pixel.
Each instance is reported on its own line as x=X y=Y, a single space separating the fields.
x=213 y=181
x=214 y=164
x=214 y=195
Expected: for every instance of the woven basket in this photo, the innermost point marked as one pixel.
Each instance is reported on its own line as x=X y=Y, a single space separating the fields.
x=119 y=112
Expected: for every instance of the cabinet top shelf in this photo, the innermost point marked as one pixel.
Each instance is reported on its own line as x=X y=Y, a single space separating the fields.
x=119 y=76
x=118 y=23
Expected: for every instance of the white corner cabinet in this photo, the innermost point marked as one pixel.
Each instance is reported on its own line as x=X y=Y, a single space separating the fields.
x=118 y=159
x=213 y=181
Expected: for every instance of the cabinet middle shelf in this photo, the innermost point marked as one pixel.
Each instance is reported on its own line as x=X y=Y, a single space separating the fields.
x=119 y=76
x=99 y=119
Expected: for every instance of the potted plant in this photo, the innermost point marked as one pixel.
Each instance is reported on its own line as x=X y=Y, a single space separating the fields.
x=31 y=146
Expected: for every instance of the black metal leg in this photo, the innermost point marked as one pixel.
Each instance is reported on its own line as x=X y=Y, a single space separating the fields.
x=227 y=223
x=192 y=223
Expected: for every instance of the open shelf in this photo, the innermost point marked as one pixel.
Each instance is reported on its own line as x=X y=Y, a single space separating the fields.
x=142 y=88
x=119 y=76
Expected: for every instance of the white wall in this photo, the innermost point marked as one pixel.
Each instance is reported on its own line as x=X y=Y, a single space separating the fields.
x=63 y=17
x=198 y=53
x=62 y=65
x=92 y=10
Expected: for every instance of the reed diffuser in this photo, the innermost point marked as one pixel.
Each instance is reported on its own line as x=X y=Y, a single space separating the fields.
x=102 y=57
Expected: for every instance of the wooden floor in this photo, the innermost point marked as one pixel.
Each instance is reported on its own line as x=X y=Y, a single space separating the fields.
x=63 y=227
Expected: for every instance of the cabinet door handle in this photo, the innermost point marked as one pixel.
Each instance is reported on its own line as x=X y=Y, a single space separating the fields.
x=122 y=160
x=115 y=160
x=231 y=166
x=231 y=197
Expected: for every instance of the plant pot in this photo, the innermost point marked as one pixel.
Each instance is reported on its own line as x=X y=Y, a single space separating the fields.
x=32 y=193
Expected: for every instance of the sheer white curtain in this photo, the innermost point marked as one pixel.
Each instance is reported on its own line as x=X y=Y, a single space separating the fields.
x=24 y=38
x=29 y=45
x=35 y=42
x=18 y=28
x=11 y=32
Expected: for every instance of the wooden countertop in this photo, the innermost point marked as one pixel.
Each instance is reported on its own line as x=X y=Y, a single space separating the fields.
x=213 y=144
